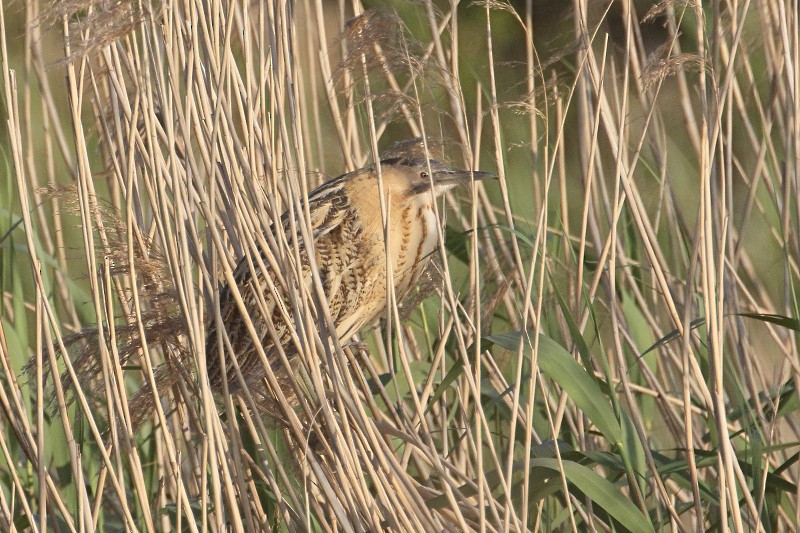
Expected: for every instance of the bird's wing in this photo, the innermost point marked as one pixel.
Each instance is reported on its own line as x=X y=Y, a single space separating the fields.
x=328 y=205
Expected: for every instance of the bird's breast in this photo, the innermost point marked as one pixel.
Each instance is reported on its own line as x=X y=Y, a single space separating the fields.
x=358 y=254
x=413 y=237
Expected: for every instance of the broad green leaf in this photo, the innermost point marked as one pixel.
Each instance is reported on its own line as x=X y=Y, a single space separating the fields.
x=582 y=387
x=602 y=492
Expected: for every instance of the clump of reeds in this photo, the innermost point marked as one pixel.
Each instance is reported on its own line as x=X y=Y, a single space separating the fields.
x=607 y=341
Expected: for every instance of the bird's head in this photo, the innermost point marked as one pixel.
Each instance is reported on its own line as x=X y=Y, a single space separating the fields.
x=418 y=176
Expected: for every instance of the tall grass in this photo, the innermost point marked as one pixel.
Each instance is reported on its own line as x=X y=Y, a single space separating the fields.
x=612 y=339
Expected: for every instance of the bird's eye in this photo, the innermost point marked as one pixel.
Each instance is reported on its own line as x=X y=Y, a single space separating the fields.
x=423 y=175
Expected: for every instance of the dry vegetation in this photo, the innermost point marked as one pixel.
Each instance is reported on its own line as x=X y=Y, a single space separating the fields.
x=612 y=342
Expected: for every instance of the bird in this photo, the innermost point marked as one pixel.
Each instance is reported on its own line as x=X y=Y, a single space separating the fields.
x=355 y=258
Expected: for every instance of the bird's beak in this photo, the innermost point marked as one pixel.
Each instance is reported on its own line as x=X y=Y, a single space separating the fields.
x=457 y=177
x=444 y=180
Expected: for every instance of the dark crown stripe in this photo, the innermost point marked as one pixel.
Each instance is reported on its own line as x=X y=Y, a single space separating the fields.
x=408 y=161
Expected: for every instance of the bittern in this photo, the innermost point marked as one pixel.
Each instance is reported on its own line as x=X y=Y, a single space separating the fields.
x=351 y=254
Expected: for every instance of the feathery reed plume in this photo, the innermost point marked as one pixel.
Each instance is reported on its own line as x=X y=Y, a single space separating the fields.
x=96 y=24
x=160 y=320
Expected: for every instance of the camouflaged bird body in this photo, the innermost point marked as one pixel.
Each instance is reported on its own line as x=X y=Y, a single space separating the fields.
x=350 y=254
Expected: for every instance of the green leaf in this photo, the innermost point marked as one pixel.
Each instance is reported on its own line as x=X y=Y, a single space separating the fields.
x=602 y=492
x=399 y=384
x=562 y=368
x=453 y=374
x=674 y=334
x=457 y=243
x=779 y=320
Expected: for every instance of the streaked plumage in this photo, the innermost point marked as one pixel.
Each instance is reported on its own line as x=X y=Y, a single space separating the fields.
x=347 y=228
